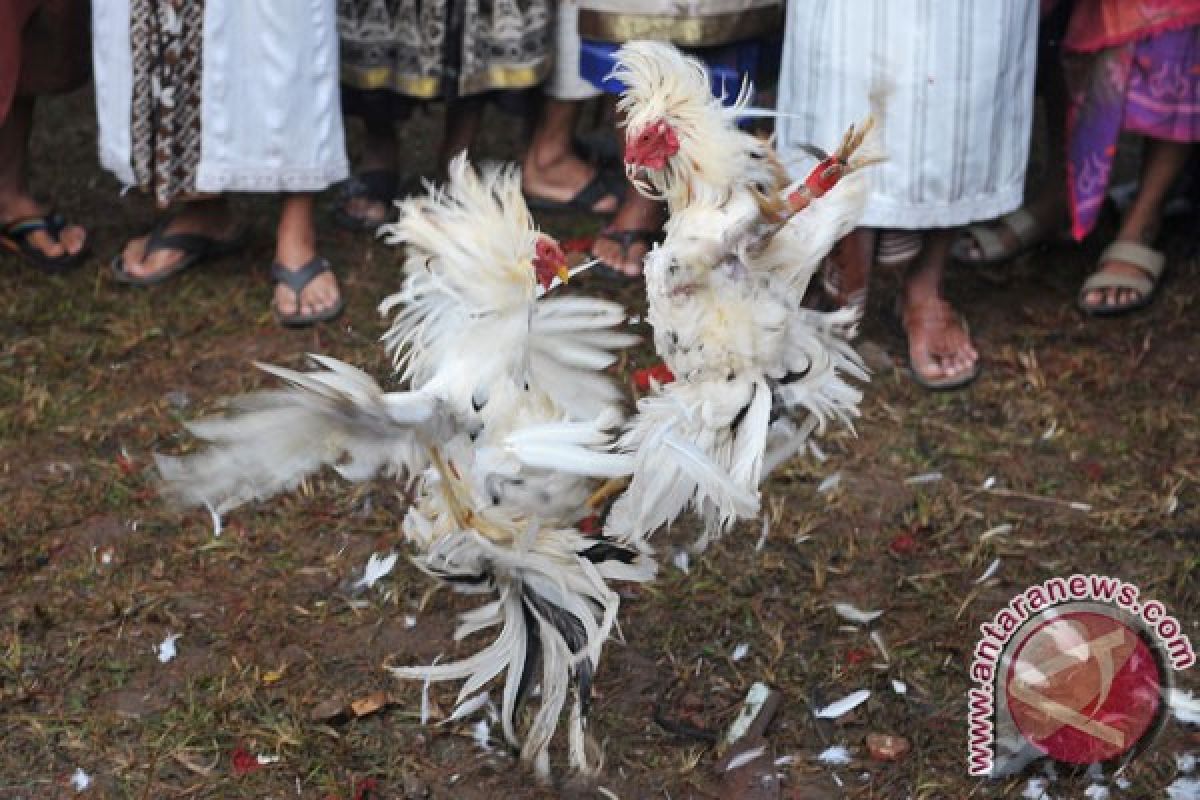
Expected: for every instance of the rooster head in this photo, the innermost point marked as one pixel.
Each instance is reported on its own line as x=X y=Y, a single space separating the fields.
x=549 y=262
x=651 y=146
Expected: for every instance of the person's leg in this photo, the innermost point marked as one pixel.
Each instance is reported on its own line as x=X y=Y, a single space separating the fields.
x=16 y=203
x=207 y=216
x=295 y=247
x=848 y=269
x=378 y=156
x=638 y=215
x=940 y=350
x=551 y=169
x=1162 y=163
x=463 y=116
x=1046 y=190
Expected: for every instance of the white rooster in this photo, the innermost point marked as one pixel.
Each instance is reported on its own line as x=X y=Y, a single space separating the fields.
x=505 y=424
x=725 y=291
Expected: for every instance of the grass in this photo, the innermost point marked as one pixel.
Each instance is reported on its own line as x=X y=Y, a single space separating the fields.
x=95 y=571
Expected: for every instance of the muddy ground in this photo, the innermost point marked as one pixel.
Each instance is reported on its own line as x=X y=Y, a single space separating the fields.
x=1086 y=431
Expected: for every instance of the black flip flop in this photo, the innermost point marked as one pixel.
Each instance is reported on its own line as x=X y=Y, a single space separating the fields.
x=378 y=186
x=196 y=247
x=14 y=237
x=625 y=240
x=603 y=184
x=297 y=280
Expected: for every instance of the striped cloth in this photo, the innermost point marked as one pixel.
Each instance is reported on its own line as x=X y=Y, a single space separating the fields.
x=957 y=76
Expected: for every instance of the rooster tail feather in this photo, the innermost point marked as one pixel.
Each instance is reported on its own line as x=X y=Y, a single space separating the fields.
x=556 y=611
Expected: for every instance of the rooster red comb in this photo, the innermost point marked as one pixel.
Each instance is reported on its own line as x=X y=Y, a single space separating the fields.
x=652 y=146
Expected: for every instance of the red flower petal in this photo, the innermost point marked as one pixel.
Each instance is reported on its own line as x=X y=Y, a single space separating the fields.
x=903 y=545
x=857 y=655
x=243 y=761
x=364 y=788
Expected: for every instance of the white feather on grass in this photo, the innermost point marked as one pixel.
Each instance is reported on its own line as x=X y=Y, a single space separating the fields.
x=844 y=706
x=854 y=614
x=377 y=567
x=835 y=756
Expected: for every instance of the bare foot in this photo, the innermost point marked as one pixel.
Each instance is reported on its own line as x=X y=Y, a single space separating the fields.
x=940 y=350
x=209 y=217
x=562 y=178
x=295 y=247
x=637 y=213
x=1117 y=297
x=70 y=241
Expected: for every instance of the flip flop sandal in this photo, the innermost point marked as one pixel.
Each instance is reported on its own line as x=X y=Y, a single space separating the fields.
x=601 y=185
x=196 y=247
x=378 y=186
x=15 y=237
x=1146 y=259
x=898 y=247
x=1023 y=226
x=937 y=384
x=297 y=280
x=625 y=240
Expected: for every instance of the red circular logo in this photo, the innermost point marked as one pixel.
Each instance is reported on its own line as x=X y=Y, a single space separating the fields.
x=1084 y=687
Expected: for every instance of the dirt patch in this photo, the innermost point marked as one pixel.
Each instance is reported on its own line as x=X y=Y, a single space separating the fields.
x=1081 y=441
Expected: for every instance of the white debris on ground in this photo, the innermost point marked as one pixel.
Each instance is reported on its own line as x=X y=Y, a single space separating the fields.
x=740 y=652
x=844 y=706
x=745 y=757
x=835 y=756
x=80 y=780
x=1035 y=789
x=1185 y=706
x=376 y=568
x=990 y=572
x=854 y=614
x=899 y=687
x=166 y=648
x=830 y=483
x=682 y=562
x=1184 y=788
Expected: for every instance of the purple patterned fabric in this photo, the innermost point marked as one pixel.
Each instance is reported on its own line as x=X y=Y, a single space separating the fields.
x=1149 y=87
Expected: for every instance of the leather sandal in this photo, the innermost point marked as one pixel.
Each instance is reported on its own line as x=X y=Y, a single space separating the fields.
x=1148 y=260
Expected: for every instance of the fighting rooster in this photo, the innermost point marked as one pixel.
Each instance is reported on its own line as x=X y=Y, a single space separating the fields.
x=755 y=371
x=503 y=443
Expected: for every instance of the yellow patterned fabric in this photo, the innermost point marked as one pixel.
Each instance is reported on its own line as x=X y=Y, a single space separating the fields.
x=694 y=23
x=444 y=48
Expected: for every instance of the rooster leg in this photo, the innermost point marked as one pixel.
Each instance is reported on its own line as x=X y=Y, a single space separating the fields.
x=610 y=487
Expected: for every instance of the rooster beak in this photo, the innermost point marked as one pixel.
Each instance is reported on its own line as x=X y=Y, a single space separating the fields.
x=564 y=273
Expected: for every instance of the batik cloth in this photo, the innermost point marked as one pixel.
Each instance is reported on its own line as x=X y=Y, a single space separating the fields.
x=209 y=96
x=685 y=23
x=444 y=48
x=1132 y=65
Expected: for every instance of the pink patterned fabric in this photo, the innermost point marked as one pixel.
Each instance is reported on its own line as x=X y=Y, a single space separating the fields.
x=1145 y=82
